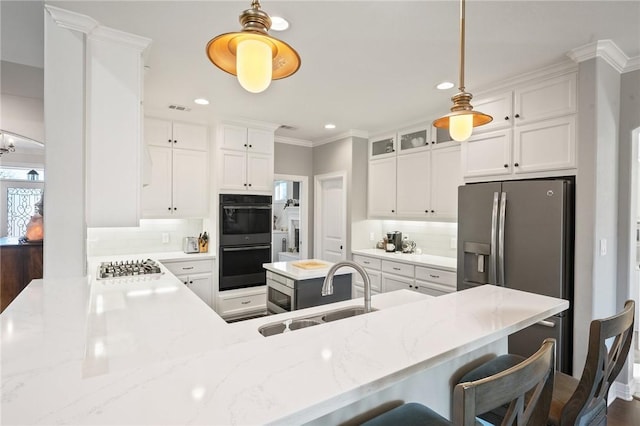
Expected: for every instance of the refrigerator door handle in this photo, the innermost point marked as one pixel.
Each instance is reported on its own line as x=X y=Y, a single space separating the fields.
x=545 y=323
x=503 y=211
x=494 y=240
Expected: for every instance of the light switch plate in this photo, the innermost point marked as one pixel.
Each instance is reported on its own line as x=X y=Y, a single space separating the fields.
x=603 y=247
x=165 y=238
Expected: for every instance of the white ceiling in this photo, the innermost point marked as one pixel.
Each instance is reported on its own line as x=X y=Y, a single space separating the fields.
x=368 y=66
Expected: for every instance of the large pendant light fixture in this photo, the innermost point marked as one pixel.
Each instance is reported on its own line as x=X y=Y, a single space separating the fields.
x=252 y=54
x=462 y=118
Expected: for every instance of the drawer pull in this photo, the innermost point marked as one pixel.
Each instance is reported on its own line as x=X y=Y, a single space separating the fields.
x=366 y=262
x=186 y=268
x=434 y=276
x=246 y=303
x=545 y=323
x=397 y=269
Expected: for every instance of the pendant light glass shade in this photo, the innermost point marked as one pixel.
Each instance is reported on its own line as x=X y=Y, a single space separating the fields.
x=462 y=118
x=245 y=54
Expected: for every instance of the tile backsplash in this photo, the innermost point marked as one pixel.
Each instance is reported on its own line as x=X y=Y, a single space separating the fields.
x=147 y=238
x=435 y=238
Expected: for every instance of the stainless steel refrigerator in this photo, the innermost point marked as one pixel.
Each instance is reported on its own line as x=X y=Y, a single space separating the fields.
x=520 y=234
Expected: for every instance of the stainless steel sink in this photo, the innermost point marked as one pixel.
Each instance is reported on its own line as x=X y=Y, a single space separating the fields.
x=343 y=313
x=309 y=321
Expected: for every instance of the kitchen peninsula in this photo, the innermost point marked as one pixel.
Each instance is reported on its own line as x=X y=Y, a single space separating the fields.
x=149 y=351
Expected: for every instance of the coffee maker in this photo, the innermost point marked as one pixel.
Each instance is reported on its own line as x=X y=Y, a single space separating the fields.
x=394 y=241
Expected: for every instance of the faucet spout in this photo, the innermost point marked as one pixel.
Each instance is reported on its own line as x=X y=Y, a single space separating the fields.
x=327 y=285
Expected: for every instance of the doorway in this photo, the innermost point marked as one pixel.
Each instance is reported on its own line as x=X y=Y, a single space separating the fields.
x=635 y=253
x=330 y=217
x=290 y=218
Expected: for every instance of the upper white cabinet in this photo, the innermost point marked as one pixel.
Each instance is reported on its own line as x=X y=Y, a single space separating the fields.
x=245 y=159
x=532 y=132
x=114 y=83
x=179 y=163
x=418 y=180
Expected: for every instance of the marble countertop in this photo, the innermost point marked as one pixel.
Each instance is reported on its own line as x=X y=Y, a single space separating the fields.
x=149 y=351
x=290 y=270
x=428 y=260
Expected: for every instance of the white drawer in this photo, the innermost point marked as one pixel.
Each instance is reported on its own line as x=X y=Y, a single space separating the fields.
x=367 y=262
x=433 y=289
x=397 y=268
x=374 y=277
x=446 y=278
x=280 y=278
x=188 y=267
x=238 y=305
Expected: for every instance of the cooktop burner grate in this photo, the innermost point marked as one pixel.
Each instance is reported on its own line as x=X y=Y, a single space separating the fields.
x=128 y=268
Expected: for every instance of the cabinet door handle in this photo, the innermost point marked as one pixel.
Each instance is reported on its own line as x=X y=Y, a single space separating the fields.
x=249 y=184
x=506 y=166
x=250 y=146
x=433 y=211
x=175 y=141
x=393 y=211
x=516 y=164
x=517 y=116
x=507 y=117
x=169 y=140
x=245 y=145
x=169 y=208
x=175 y=208
x=245 y=184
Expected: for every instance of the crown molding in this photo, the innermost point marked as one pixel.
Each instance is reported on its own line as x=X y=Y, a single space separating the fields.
x=92 y=28
x=71 y=20
x=293 y=141
x=246 y=122
x=353 y=133
x=607 y=50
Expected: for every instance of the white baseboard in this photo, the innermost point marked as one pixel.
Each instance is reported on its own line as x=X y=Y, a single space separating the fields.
x=622 y=391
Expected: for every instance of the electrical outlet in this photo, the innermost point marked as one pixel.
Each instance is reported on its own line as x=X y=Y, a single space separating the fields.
x=603 y=247
x=372 y=236
x=165 y=238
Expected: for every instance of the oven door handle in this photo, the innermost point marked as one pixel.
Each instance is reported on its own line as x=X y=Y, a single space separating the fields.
x=245 y=248
x=247 y=207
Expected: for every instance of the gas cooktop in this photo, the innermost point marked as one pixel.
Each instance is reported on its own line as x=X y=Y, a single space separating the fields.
x=128 y=268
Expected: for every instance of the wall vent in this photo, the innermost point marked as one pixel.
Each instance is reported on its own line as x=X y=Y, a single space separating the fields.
x=179 y=108
x=287 y=127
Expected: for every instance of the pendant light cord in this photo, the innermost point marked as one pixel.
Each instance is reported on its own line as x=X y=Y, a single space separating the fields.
x=462 y=37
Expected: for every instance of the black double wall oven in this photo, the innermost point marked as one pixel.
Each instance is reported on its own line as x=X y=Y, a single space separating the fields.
x=245 y=240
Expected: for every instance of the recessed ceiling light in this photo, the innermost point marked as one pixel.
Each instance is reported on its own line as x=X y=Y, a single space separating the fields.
x=279 y=24
x=201 y=101
x=445 y=85
x=329 y=126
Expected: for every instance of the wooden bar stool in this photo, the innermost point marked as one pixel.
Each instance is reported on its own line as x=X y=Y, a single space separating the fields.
x=534 y=377
x=580 y=402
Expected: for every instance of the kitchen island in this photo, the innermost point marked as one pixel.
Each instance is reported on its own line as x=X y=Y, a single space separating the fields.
x=149 y=351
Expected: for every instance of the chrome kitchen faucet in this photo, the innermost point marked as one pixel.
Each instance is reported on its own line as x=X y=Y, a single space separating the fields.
x=327 y=285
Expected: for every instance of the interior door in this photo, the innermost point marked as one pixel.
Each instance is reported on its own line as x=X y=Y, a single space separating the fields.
x=331 y=223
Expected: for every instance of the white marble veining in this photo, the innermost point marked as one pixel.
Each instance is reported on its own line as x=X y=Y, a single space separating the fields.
x=439 y=262
x=150 y=352
x=290 y=270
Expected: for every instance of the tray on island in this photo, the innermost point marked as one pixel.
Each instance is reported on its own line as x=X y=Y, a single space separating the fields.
x=310 y=264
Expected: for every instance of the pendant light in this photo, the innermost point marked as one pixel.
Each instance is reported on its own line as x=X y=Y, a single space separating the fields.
x=252 y=54
x=462 y=118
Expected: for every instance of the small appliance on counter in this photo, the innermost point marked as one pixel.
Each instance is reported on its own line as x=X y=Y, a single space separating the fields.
x=190 y=245
x=394 y=241
x=408 y=246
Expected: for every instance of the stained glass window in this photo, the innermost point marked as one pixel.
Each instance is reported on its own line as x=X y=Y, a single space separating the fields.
x=20 y=207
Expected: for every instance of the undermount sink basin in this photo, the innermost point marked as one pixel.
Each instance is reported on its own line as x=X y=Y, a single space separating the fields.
x=343 y=313
x=321 y=318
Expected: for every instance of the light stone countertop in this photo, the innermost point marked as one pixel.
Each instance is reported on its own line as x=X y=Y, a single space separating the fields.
x=149 y=351
x=428 y=260
x=290 y=270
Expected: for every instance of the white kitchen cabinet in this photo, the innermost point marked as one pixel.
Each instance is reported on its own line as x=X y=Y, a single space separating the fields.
x=232 y=304
x=446 y=176
x=382 y=187
x=372 y=266
x=532 y=132
x=179 y=178
x=395 y=282
x=383 y=146
x=197 y=275
x=179 y=184
x=113 y=72
x=413 y=190
x=245 y=159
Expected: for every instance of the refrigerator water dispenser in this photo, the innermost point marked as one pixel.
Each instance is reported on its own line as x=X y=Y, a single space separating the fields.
x=476 y=262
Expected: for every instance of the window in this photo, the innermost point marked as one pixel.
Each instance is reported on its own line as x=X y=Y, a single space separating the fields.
x=21 y=173
x=280 y=191
x=20 y=207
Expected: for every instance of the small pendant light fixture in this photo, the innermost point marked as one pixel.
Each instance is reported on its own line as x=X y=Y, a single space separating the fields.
x=252 y=54
x=462 y=118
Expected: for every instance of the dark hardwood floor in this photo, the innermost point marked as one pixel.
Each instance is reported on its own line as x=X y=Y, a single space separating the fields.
x=624 y=413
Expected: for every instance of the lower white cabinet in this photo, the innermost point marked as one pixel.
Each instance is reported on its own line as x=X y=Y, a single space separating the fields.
x=197 y=275
x=388 y=275
x=233 y=304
